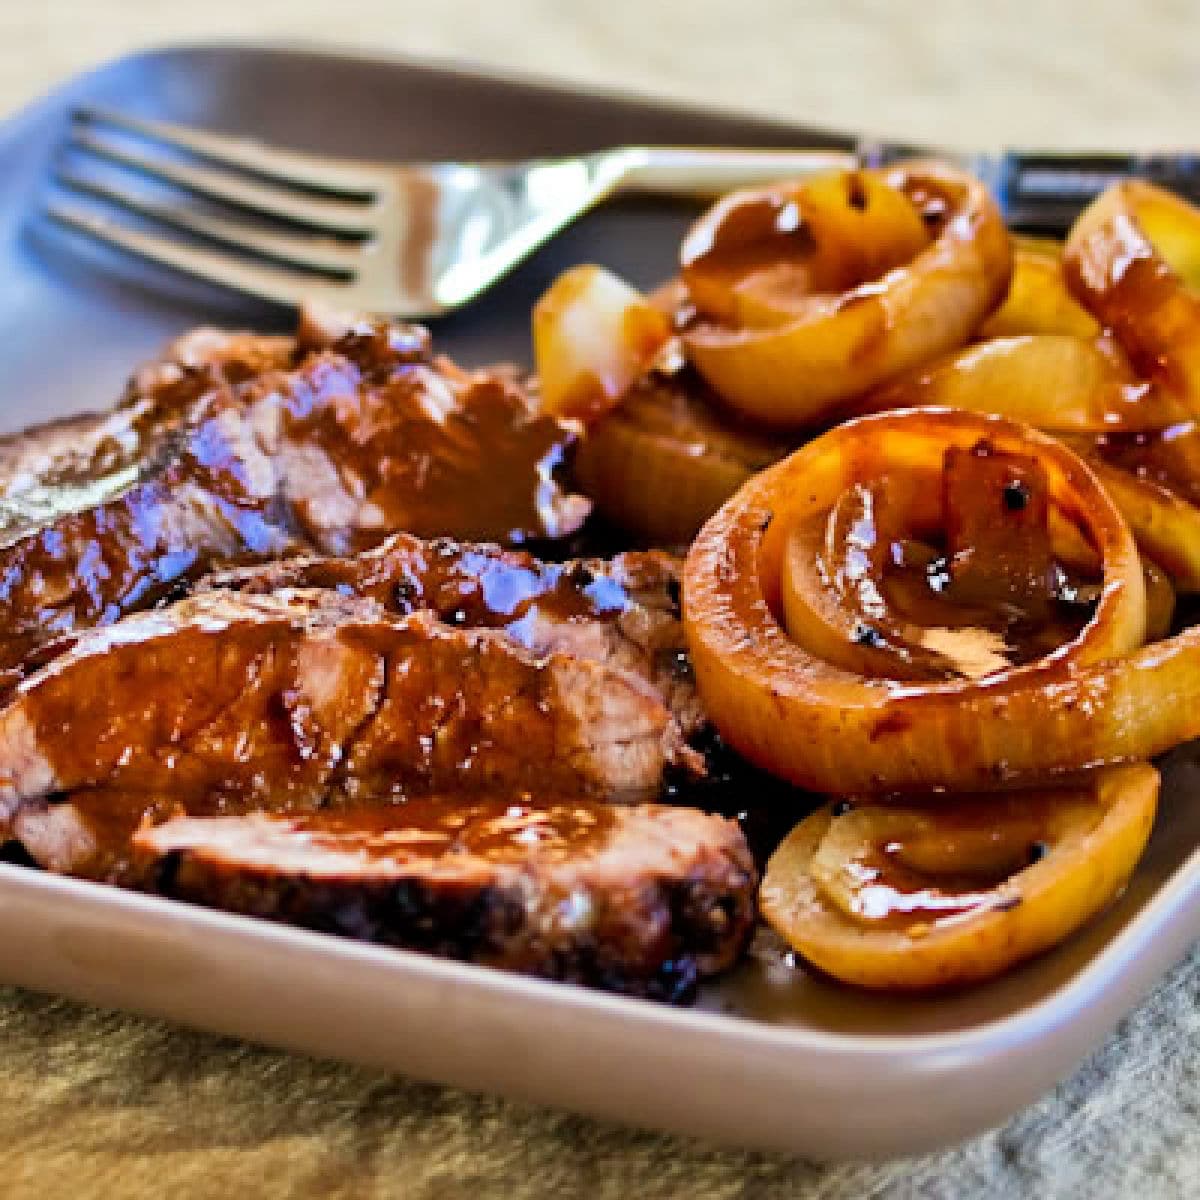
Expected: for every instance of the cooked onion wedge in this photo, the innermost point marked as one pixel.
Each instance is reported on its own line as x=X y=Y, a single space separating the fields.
x=832 y=728
x=1154 y=478
x=1166 y=526
x=1133 y=258
x=1160 y=601
x=795 y=360
x=955 y=890
x=593 y=335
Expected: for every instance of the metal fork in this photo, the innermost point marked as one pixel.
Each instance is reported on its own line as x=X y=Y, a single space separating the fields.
x=418 y=240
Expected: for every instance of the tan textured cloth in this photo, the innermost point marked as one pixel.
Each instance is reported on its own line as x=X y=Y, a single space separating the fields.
x=99 y=1104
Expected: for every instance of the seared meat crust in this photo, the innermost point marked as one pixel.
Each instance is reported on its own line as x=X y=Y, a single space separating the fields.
x=644 y=900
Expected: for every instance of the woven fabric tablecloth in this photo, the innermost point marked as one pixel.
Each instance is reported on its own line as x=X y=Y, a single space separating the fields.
x=102 y=1104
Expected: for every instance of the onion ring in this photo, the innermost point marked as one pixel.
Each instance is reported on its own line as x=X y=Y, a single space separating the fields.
x=795 y=372
x=1047 y=365
x=832 y=730
x=952 y=892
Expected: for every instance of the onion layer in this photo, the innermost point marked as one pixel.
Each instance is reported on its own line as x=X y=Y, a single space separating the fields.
x=1131 y=259
x=831 y=729
x=952 y=892
x=1055 y=381
x=666 y=459
x=797 y=368
x=1038 y=299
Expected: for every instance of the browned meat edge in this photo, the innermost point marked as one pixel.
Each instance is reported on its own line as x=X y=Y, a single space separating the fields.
x=657 y=898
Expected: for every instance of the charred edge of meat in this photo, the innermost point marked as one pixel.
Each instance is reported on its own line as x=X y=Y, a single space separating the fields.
x=491 y=925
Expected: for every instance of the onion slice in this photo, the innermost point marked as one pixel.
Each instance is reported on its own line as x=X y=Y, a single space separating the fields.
x=1132 y=259
x=1038 y=299
x=666 y=459
x=1055 y=381
x=829 y=729
x=795 y=372
x=952 y=891
x=593 y=336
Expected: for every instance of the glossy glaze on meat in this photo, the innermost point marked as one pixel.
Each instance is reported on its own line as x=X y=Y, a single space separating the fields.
x=227 y=677
x=234 y=447
x=275 y=699
x=623 y=612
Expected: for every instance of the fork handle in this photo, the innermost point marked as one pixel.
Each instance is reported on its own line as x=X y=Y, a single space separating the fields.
x=1036 y=190
x=705 y=172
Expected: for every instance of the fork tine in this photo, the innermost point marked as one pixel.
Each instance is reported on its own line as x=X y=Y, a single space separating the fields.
x=329 y=216
x=329 y=258
x=263 y=282
x=284 y=166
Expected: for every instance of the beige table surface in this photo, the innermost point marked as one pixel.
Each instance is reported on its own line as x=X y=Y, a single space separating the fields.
x=99 y=1104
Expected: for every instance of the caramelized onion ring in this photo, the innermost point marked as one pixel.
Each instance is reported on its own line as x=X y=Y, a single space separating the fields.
x=1130 y=258
x=796 y=373
x=1046 y=363
x=832 y=730
x=759 y=258
x=930 y=896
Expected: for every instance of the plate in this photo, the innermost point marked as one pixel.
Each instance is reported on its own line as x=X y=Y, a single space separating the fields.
x=771 y=1056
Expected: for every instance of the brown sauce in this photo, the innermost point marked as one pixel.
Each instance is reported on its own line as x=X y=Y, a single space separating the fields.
x=406 y=453
x=185 y=475
x=758 y=231
x=468 y=585
x=761 y=257
x=970 y=592
x=959 y=863
x=494 y=827
x=511 y=827
x=1169 y=458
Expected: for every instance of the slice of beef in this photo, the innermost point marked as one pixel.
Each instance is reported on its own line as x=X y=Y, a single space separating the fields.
x=274 y=699
x=644 y=900
x=239 y=449
x=622 y=612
